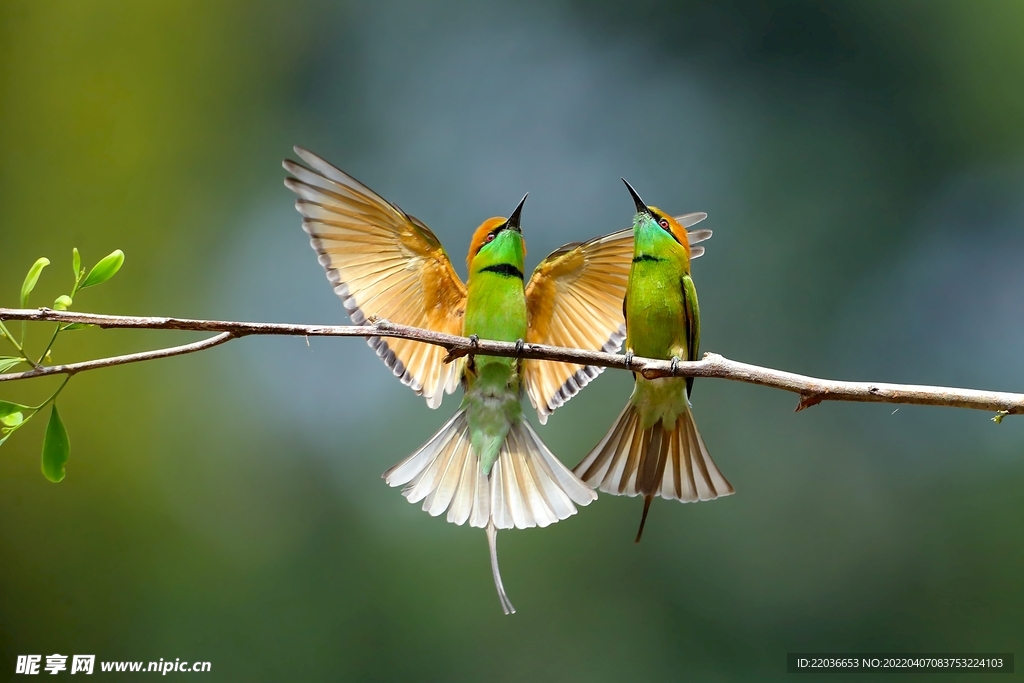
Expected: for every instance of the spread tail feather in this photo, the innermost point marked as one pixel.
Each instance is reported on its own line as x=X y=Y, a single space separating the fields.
x=528 y=486
x=667 y=461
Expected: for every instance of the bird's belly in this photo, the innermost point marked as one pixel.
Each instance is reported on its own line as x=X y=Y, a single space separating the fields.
x=654 y=323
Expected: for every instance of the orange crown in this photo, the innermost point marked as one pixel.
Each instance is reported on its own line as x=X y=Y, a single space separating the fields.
x=480 y=237
x=678 y=231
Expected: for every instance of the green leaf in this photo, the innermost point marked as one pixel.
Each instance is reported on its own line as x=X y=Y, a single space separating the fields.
x=8 y=408
x=56 y=447
x=12 y=420
x=104 y=270
x=76 y=263
x=78 y=326
x=32 y=278
x=62 y=303
x=8 y=362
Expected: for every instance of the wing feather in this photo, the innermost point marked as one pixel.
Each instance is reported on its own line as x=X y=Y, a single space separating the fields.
x=382 y=263
x=692 y=320
x=574 y=299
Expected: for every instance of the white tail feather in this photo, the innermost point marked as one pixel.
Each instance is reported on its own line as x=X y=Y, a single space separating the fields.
x=667 y=461
x=492 y=546
x=527 y=486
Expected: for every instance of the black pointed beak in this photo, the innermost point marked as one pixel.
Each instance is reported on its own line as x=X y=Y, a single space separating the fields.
x=640 y=206
x=513 y=220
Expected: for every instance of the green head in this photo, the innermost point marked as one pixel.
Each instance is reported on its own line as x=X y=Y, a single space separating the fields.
x=655 y=232
x=498 y=246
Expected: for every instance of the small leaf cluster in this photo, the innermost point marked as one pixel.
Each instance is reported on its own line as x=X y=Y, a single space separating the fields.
x=13 y=416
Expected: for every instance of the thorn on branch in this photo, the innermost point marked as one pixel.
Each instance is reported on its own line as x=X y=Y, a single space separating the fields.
x=474 y=343
x=809 y=400
x=454 y=354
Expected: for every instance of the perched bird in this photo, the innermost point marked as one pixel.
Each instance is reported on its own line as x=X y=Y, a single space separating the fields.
x=486 y=466
x=654 y=448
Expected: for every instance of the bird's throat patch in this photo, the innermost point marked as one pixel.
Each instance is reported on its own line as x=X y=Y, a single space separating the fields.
x=503 y=269
x=639 y=258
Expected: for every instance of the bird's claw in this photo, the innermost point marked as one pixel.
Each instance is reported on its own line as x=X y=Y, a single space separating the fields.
x=519 y=347
x=629 y=360
x=675 y=364
x=474 y=341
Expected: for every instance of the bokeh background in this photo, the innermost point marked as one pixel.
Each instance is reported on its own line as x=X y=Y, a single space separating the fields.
x=862 y=163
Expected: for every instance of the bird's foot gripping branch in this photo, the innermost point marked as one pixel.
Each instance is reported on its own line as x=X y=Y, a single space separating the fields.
x=23 y=365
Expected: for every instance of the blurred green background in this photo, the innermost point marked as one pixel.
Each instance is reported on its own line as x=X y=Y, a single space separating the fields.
x=862 y=163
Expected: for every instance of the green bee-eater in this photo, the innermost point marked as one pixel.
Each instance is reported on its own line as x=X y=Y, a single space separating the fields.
x=654 y=448
x=486 y=465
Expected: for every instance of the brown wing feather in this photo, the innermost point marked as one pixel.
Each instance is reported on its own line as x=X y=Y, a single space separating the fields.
x=575 y=299
x=383 y=263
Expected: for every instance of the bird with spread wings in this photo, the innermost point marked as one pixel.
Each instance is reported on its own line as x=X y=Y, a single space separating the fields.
x=487 y=465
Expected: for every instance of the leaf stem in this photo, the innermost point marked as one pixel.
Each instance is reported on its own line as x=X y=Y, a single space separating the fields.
x=42 y=356
x=53 y=396
x=35 y=409
x=74 y=291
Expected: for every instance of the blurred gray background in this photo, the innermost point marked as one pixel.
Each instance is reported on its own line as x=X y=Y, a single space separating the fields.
x=862 y=165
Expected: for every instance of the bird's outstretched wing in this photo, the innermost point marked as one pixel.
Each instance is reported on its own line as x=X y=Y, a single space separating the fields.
x=383 y=263
x=574 y=299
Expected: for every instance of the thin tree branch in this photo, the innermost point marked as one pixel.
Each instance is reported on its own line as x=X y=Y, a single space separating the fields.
x=75 y=368
x=811 y=390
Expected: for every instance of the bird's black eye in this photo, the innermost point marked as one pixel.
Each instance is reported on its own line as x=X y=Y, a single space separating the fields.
x=663 y=222
x=490 y=237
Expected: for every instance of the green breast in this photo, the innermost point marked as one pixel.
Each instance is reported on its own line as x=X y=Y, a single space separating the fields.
x=495 y=309
x=655 y=324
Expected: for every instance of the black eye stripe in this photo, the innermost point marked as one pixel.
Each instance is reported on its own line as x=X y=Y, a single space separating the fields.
x=667 y=227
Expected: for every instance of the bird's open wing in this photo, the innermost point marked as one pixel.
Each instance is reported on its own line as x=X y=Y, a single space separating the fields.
x=383 y=263
x=574 y=299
